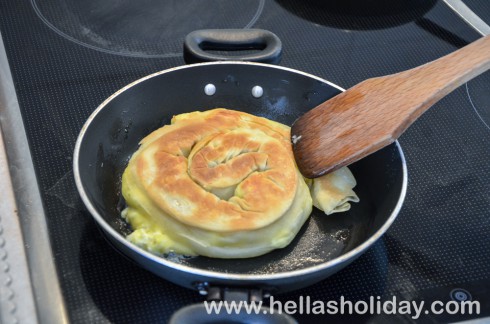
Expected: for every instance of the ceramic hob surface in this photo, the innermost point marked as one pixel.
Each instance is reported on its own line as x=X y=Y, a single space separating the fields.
x=66 y=57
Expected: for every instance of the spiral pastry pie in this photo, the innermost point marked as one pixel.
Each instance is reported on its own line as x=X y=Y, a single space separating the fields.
x=223 y=183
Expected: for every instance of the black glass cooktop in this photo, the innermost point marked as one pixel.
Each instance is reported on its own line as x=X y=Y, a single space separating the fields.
x=66 y=57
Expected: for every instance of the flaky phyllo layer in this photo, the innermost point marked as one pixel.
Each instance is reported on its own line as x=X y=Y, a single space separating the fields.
x=224 y=184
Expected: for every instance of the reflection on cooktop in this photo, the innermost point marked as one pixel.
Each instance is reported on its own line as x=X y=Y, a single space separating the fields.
x=359 y=14
x=478 y=91
x=145 y=28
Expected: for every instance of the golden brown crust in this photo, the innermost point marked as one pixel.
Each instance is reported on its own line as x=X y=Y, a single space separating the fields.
x=218 y=170
x=223 y=184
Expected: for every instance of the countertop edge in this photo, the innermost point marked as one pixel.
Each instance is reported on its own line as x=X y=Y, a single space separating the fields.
x=34 y=288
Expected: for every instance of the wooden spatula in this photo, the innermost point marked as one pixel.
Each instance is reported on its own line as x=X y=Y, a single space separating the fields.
x=375 y=112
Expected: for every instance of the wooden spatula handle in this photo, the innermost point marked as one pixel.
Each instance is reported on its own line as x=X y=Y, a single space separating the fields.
x=436 y=79
x=375 y=112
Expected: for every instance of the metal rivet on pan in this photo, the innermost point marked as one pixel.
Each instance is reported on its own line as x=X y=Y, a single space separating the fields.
x=210 y=89
x=257 y=91
x=202 y=287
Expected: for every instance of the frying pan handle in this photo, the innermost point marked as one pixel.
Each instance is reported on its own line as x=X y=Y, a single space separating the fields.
x=197 y=43
x=198 y=313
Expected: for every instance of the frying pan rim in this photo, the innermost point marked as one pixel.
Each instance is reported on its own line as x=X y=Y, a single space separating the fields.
x=216 y=274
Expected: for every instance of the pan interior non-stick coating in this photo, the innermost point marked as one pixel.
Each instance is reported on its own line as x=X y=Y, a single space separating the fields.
x=116 y=129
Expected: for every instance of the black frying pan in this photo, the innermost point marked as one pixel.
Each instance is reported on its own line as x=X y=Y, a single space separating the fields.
x=324 y=245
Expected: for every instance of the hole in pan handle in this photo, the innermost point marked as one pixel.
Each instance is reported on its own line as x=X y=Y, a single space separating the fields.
x=198 y=43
